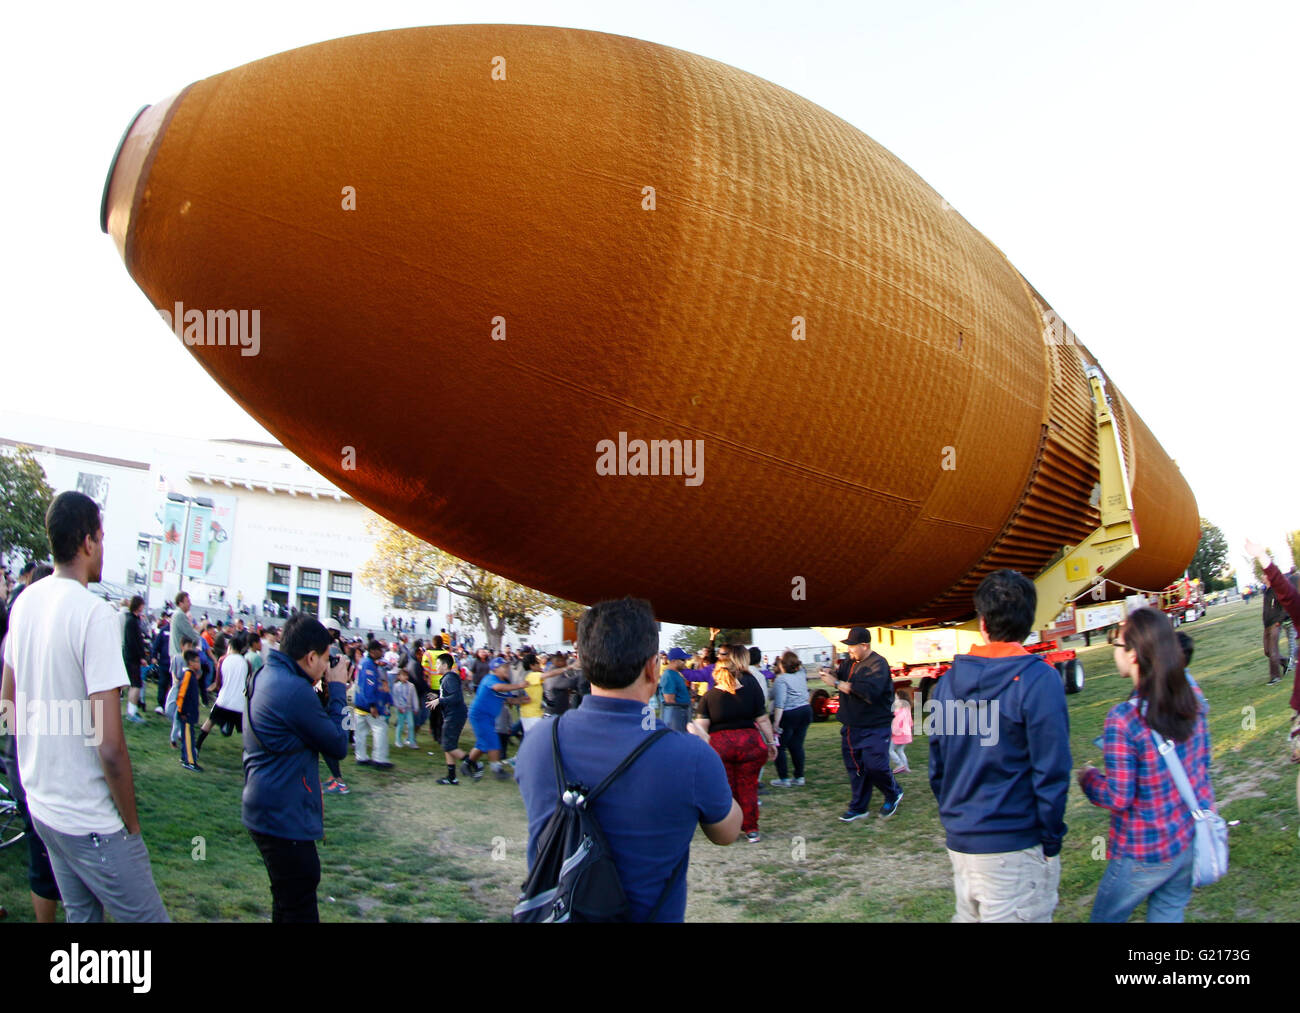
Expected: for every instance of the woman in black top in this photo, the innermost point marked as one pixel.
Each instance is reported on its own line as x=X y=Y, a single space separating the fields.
x=733 y=717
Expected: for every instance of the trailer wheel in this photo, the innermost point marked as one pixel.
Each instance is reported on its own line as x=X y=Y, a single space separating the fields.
x=818 y=700
x=1072 y=674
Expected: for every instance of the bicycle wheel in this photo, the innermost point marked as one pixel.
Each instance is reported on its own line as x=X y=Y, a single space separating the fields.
x=13 y=828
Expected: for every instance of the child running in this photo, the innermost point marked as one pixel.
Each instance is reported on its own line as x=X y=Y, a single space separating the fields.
x=451 y=699
x=483 y=713
x=187 y=707
x=901 y=730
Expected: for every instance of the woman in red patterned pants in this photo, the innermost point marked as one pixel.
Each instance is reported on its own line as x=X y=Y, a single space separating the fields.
x=733 y=717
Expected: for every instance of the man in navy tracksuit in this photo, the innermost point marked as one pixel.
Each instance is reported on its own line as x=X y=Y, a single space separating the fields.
x=284 y=730
x=1000 y=763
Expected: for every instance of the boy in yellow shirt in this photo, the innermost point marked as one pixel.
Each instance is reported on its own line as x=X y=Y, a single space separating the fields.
x=530 y=712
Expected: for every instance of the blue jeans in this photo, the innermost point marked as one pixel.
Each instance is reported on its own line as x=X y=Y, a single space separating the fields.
x=1126 y=883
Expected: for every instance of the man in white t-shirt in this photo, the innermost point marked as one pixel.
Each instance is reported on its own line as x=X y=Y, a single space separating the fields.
x=63 y=675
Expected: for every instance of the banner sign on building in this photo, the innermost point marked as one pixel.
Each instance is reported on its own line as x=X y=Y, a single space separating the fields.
x=155 y=564
x=169 y=560
x=221 y=526
x=195 y=545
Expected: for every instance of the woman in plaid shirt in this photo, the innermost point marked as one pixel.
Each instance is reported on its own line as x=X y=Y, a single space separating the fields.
x=1150 y=848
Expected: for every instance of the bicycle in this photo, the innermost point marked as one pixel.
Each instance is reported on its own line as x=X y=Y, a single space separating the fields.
x=13 y=828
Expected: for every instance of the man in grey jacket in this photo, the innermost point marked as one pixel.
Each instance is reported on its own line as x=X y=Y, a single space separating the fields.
x=182 y=628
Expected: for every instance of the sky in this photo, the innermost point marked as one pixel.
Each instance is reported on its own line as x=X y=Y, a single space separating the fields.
x=1135 y=161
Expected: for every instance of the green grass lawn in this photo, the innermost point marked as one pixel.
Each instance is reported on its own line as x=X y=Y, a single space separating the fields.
x=400 y=848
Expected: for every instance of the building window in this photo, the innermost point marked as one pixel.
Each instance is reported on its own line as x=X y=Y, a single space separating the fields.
x=278 y=574
x=340 y=583
x=309 y=579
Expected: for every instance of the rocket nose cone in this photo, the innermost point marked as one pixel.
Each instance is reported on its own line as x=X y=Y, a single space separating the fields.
x=130 y=163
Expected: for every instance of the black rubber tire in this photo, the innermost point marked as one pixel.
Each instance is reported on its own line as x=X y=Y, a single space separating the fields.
x=1072 y=673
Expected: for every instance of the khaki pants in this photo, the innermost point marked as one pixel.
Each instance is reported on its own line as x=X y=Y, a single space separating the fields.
x=1009 y=886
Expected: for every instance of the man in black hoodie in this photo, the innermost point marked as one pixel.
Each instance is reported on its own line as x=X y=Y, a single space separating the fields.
x=866 y=711
x=1000 y=763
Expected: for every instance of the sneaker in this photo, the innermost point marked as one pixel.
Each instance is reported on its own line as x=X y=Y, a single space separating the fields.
x=477 y=773
x=503 y=774
x=752 y=837
x=850 y=815
x=384 y=765
x=135 y=719
x=160 y=712
x=335 y=787
x=447 y=780
x=1274 y=682
x=798 y=782
x=467 y=766
x=365 y=763
x=192 y=766
x=889 y=808
x=782 y=782
x=904 y=769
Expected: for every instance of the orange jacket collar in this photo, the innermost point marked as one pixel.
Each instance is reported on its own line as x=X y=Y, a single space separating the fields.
x=998 y=650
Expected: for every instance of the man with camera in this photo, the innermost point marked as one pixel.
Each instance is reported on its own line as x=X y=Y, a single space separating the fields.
x=284 y=730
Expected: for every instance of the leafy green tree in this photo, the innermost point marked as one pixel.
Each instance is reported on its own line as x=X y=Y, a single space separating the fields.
x=409 y=571
x=1211 y=558
x=25 y=495
x=692 y=638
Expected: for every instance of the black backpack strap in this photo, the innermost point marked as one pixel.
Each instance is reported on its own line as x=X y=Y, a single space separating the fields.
x=561 y=783
x=560 y=786
x=630 y=759
x=663 y=895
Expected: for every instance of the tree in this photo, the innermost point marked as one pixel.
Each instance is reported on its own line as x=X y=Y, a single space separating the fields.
x=1293 y=544
x=1211 y=558
x=25 y=495
x=692 y=638
x=407 y=570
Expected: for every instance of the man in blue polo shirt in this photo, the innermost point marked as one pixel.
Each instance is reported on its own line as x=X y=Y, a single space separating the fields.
x=676 y=694
x=650 y=813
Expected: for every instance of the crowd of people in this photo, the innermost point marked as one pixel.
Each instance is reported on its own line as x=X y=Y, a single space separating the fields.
x=307 y=692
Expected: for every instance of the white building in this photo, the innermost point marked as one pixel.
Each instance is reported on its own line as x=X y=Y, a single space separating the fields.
x=277 y=529
x=285 y=532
